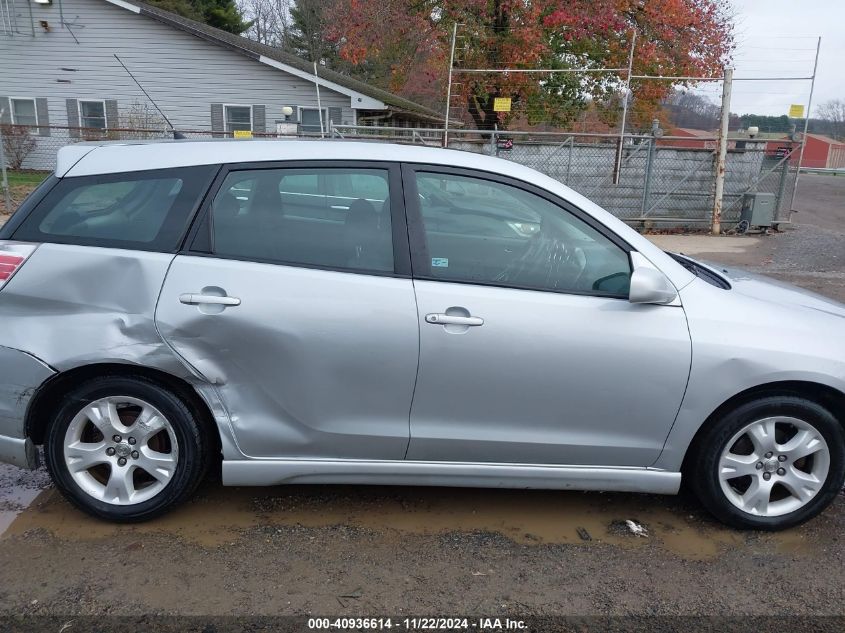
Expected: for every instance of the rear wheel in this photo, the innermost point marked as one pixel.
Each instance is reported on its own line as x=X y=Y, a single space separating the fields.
x=770 y=464
x=125 y=448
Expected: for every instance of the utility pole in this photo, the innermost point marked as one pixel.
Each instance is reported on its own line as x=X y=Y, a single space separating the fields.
x=806 y=127
x=617 y=165
x=722 y=153
x=319 y=105
x=449 y=87
x=5 y=181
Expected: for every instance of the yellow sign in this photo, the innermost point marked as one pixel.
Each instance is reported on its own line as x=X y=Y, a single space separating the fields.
x=243 y=133
x=796 y=111
x=502 y=104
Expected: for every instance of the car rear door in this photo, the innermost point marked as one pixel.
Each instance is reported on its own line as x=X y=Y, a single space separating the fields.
x=298 y=305
x=530 y=351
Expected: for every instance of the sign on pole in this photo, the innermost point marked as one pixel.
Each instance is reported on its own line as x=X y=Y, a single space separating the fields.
x=796 y=111
x=502 y=104
x=243 y=134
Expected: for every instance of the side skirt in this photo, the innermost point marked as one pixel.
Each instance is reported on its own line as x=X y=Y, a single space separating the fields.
x=473 y=475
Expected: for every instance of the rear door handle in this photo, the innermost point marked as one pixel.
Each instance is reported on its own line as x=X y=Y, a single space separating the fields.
x=199 y=299
x=449 y=319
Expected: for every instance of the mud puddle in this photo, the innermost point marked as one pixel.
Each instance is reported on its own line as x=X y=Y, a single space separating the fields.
x=18 y=489
x=219 y=516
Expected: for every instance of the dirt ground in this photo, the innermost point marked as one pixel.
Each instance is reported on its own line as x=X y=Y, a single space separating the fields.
x=336 y=550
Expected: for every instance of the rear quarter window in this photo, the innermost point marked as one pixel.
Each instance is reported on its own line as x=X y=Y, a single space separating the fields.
x=146 y=210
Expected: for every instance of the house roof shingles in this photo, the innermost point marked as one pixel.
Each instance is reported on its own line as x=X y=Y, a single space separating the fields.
x=255 y=50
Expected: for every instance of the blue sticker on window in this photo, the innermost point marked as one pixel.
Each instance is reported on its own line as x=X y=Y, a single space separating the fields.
x=440 y=262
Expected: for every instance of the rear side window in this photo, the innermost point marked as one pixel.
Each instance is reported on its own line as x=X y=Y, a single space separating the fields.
x=328 y=217
x=147 y=210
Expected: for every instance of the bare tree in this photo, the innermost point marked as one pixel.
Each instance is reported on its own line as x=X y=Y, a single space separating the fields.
x=143 y=118
x=270 y=20
x=687 y=109
x=833 y=114
x=17 y=143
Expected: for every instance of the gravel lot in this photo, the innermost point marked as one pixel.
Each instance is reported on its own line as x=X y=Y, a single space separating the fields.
x=424 y=551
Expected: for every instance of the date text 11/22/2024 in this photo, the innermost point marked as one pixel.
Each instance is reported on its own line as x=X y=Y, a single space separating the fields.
x=416 y=624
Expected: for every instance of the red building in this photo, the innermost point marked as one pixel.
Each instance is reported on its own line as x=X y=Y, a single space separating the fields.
x=819 y=152
x=822 y=152
x=692 y=139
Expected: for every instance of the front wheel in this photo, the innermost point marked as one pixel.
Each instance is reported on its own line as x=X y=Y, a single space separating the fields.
x=770 y=464
x=125 y=448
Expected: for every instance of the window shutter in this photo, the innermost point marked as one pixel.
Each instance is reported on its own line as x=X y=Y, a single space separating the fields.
x=217 y=118
x=73 y=117
x=335 y=116
x=43 y=116
x=6 y=106
x=259 y=119
x=112 y=117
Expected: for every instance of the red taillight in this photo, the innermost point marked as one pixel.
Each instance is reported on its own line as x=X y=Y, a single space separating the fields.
x=9 y=264
x=12 y=257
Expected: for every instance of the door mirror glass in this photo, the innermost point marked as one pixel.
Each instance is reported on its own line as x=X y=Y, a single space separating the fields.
x=649 y=285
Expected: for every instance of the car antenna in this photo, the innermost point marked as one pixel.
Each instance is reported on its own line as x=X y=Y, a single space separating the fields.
x=176 y=135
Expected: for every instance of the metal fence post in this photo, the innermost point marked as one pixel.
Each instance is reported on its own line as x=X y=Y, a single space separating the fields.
x=569 y=161
x=784 y=172
x=5 y=182
x=721 y=154
x=647 y=177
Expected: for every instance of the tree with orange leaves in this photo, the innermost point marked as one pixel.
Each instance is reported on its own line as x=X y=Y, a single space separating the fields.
x=403 y=45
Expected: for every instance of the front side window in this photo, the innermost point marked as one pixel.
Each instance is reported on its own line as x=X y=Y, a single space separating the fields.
x=487 y=232
x=23 y=112
x=146 y=210
x=238 y=118
x=310 y=120
x=336 y=218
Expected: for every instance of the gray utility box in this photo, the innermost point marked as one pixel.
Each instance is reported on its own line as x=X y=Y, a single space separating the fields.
x=758 y=209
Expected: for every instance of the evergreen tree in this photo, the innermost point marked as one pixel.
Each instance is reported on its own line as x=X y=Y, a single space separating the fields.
x=222 y=14
x=308 y=33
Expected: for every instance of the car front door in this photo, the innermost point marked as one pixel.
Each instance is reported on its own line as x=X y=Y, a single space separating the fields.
x=293 y=304
x=530 y=351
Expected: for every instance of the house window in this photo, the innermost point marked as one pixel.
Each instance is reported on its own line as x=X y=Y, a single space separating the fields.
x=23 y=112
x=309 y=119
x=92 y=114
x=238 y=118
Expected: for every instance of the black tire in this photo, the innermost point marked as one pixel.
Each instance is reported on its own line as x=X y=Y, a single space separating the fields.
x=193 y=447
x=701 y=471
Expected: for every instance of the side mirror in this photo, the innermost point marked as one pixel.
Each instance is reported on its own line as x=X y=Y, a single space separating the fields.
x=649 y=285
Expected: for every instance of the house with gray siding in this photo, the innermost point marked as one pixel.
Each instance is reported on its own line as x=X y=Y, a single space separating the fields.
x=67 y=68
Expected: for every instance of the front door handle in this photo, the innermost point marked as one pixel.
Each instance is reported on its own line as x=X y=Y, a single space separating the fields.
x=192 y=299
x=451 y=319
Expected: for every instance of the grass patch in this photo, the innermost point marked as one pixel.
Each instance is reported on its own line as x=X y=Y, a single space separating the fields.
x=31 y=178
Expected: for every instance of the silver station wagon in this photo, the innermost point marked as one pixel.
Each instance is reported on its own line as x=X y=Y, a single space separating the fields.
x=315 y=312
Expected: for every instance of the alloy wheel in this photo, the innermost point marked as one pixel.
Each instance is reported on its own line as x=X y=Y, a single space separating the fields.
x=774 y=466
x=121 y=450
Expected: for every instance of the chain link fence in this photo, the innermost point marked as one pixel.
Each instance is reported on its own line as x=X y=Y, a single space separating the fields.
x=663 y=182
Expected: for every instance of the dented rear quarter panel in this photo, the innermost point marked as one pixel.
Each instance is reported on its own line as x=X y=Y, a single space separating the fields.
x=20 y=376
x=74 y=305
x=71 y=306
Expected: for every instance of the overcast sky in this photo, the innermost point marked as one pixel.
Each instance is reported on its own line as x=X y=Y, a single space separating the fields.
x=778 y=38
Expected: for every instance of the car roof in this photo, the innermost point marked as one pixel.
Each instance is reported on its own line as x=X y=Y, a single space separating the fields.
x=88 y=159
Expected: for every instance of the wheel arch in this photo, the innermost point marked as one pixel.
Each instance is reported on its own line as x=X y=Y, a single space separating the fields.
x=38 y=412
x=824 y=395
